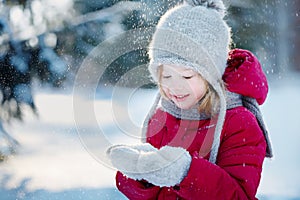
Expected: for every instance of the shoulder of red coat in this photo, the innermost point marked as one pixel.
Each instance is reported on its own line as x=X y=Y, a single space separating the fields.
x=239 y=115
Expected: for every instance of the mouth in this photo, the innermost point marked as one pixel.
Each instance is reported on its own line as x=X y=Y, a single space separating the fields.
x=180 y=98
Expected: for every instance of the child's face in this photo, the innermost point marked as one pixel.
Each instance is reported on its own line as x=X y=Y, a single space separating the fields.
x=183 y=86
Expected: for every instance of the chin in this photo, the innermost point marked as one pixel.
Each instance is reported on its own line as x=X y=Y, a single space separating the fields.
x=184 y=107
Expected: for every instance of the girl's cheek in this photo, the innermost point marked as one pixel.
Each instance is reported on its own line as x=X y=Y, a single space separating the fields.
x=166 y=84
x=166 y=91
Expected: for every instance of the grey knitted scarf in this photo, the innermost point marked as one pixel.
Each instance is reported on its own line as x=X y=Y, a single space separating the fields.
x=252 y=105
x=232 y=100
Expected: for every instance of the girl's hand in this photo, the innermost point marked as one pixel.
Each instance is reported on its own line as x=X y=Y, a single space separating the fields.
x=164 y=167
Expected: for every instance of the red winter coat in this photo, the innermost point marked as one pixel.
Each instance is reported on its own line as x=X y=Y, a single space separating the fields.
x=237 y=172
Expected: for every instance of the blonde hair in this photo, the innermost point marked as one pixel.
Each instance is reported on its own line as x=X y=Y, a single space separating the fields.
x=209 y=103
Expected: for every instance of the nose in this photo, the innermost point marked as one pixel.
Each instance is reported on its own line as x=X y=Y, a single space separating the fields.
x=177 y=86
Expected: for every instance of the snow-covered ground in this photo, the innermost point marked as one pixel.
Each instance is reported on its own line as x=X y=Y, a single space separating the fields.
x=62 y=158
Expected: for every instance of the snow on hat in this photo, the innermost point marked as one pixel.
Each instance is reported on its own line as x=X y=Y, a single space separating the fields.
x=195 y=35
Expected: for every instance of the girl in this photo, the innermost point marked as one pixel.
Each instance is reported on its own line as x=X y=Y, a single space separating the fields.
x=205 y=137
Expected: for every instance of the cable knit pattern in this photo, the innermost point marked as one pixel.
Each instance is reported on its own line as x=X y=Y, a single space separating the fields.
x=195 y=37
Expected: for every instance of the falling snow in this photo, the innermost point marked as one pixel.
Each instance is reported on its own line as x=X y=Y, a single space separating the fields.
x=53 y=163
x=58 y=166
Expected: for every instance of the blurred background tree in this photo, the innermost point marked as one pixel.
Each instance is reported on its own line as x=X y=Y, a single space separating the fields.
x=27 y=54
x=44 y=42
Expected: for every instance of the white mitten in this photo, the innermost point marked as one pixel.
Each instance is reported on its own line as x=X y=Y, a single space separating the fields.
x=164 y=167
x=125 y=157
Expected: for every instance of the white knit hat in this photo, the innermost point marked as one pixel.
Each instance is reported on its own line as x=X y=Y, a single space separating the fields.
x=195 y=35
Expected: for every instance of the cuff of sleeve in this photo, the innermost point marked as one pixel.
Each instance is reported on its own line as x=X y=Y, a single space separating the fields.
x=134 y=189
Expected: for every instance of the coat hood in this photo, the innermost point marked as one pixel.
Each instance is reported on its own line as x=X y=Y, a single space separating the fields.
x=245 y=76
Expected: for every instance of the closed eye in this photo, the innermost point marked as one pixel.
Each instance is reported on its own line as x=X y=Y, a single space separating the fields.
x=166 y=76
x=188 y=77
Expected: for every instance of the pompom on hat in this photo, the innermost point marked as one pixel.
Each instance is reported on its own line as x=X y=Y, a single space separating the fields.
x=194 y=35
